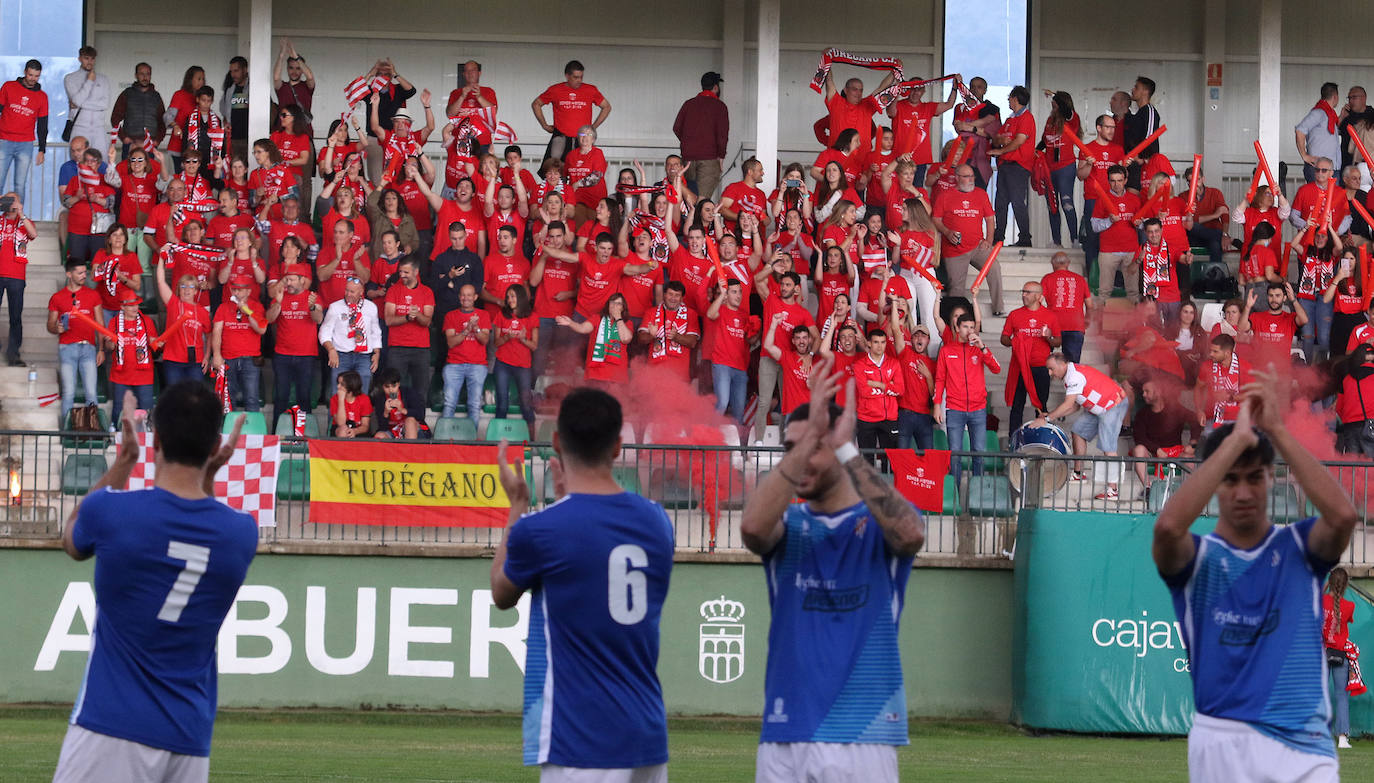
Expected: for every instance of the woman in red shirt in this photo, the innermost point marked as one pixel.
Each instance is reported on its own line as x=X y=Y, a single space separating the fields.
x=350 y=411
x=1059 y=154
x=842 y=153
x=1337 y=614
x=182 y=104
x=841 y=230
x=606 y=220
x=241 y=260
x=295 y=147
x=792 y=193
x=186 y=354
x=515 y=332
x=131 y=354
x=607 y=365
x=1317 y=272
x=834 y=276
x=797 y=242
x=115 y=269
x=586 y=169
x=339 y=149
x=831 y=192
x=272 y=179
x=1265 y=207
x=343 y=206
x=136 y=178
x=1347 y=299
x=90 y=209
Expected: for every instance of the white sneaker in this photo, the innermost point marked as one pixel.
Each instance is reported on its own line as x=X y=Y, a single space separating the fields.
x=1343 y=742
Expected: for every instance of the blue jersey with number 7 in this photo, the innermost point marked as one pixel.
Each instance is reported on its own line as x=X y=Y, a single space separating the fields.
x=167 y=571
x=597 y=567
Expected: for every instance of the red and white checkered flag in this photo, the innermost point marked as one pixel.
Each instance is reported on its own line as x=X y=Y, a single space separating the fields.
x=357 y=90
x=88 y=175
x=247 y=483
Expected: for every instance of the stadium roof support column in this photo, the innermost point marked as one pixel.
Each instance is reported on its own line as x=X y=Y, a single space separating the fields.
x=1213 y=95
x=255 y=43
x=766 y=127
x=1270 y=76
x=732 y=68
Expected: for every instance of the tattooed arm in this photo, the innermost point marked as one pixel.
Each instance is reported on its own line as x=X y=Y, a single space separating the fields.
x=903 y=528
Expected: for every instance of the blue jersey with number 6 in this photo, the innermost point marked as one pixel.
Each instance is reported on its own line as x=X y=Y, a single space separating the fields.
x=597 y=567
x=167 y=570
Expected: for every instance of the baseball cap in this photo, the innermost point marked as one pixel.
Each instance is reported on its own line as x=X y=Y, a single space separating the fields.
x=710 y=79
x=921 y=328
x=298 y=269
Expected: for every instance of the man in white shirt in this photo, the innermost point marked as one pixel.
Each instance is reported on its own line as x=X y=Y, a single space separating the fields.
x=89 y=96
x=352 y=335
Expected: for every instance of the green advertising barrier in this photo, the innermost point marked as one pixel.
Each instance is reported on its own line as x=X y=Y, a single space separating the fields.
x=1097 y=647
x=338 y=631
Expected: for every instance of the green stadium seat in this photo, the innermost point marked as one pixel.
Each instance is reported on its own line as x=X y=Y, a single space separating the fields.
x=941 y=440
x=989 y=496
x=81 y=471
x=293 y=482
x=513 y=430
x=286 y=430
x=254 y=422
x=1284 y=504
x=513 y=396
x=628 y=478
x=455 y=428
x=951 y=502
x=670 y=490
x=95 y=440
x=993 y=444
x=1161 y=490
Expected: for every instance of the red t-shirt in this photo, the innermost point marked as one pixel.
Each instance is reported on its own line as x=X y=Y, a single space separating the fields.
x=137 y=367
x=964 y=213
x=457 y=166
x=472 y=108
x=871 y=288
x=137 y=195
x=104 y=270
x=578 y=165
x=1059 y=151
x=696 y=274
x=1016 y=124
x=244 y=267
x=21 y=109
x=79 y=215
x=237 y=338
x=292 y=145
x=852 y=165
x=608 y=363
x=911 y=130
x=1066 y=292
x=200 y=265
x=595 y=284
x=1029 y=324
x=794 y=377
x=83 y=300
x=281 y=230
x=1253 y=265
x=731 y=340
x=449 y=212
x=1348 y=299
x=794 y=316
x=469 y=351
x=192 y=333
x=220 y=232
x=572 y=108
x=832 y=285
x=915 y=389
x=355 y=410
x=496 y=221
x=875 y=404
x=1157 y=272
x=639 y=289
x=183 y=102
x=411 y=334
x=858 y=116
x=558 y=278
x=332 y=289
x=1271 y=334
x=362 y=227
x=874 y=163
x=415 y=203
x=500 y=273
x=1105 y=155
x=297 y=333
x=512 y=351
x=746 y=198
x=1121 y=237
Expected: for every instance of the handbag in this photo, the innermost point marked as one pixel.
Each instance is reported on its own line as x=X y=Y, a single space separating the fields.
x=86 y=418
x=1334 y=657
x=71 y=123
x=101 y=222
x=1367 y=431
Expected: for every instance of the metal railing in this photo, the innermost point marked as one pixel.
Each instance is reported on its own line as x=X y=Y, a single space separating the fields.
x=703 y=490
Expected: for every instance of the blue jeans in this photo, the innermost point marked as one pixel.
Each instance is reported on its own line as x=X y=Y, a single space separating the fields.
x=917 y=428
x=976 y=422
x=13 y=290
x=243 y=376
x=288 y=372
x=522 y=375
x=1340 y=714
x=75 y=358
x=1316 y=333
x=1063 y=181
x=455 y=375
x=19 y=156
x=731 y=387
x=1072 y=347
x=361 y=363
x=143 y=393
x=1087 y=238
x=1013 y=191
x=176 y=372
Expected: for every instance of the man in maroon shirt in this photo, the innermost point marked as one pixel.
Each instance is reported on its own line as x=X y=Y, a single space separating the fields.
x=703 y=128
x=298 y=87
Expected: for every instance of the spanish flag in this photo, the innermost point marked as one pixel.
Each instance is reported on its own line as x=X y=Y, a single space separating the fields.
x=383 y=482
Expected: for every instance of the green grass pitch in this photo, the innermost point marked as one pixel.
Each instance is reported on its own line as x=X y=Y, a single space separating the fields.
x=413 y=746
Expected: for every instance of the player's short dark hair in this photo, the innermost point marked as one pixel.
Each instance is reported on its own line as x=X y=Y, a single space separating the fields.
x=458 y=224
x=558 y=224
x=514 y=234
x=803 y=412
x=1149 y=84
x=605 y=236
x=573 y=65
x=877 y=333
x=1329 y=89
x=512 y=148
x=352 y=381
x=206 y=90
x=73 y=263
x=187 y=419
x=33 y=65
x=965 y=318
x=589 y=422
x=1262 y=453
x=1021 y=94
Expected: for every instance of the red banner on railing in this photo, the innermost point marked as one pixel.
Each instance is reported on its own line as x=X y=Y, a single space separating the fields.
x=377 y=482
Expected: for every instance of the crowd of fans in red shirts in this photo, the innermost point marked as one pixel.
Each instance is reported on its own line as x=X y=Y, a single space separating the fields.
x=378 y=282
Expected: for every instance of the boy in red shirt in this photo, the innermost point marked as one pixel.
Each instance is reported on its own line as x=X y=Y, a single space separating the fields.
x=572 y=101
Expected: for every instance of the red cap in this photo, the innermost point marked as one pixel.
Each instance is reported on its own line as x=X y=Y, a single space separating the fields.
x=298 y=269
x=243 y=281
x=130 y=297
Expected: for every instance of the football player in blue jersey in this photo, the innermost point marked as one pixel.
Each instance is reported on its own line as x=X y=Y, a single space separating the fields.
x=596 y=563
x=169 y=562
x=1248 y=597
x=837 y=567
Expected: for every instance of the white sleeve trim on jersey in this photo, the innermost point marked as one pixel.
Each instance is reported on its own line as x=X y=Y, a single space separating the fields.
x=546 y=715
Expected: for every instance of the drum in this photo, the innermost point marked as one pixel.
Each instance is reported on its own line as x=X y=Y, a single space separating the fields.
x=1048 y=440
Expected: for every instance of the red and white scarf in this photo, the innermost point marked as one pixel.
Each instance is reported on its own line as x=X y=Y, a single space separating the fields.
x=902 y=90
x=222 y=390
x=464 y=135
x=272 y=180
x=107 y=275
x=12 y=231
x=135 y=329
x=662 y=347
x=396 y=150
x=1228 y=383
x=658 y=234
x=1155 y=267
x=356 y=328
x=832 y=56
x=214 y=130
